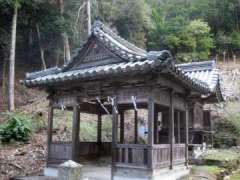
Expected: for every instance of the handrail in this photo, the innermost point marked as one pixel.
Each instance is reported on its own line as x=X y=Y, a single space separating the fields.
x=132 y=146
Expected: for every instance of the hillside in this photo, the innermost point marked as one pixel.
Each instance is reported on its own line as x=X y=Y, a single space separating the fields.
x=231 y=86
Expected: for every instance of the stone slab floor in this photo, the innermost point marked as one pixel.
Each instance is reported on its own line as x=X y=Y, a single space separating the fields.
x=90 y=172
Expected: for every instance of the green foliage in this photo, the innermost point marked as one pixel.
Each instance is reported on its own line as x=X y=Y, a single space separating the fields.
x=223 y=155
x=211 y=169
x=197 y=40
x=130 y=18
x=227 y=131
x=107 y=128
x=235 y=40
x=88 y=131
x=188 y=39
x=176 y=24
x=39 y=122
x=217 y=161
x=17 y=127
x=192 y=30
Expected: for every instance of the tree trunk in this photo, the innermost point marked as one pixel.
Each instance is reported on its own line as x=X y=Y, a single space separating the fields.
x=41 y=48
x=66 y=46
x=4 y=82
x=57 y=58
x=12 y=60
x=89 y=23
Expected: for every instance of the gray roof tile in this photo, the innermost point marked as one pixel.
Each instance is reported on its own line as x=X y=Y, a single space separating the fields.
x=202 y=76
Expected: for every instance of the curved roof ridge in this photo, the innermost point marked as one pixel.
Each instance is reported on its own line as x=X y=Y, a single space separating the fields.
x=116 y=44
x=131 y=46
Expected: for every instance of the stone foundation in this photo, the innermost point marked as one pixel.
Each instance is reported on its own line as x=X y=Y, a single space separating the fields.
x=178 y=173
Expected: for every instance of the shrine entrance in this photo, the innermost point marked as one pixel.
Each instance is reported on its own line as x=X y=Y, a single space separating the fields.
x=144 y=133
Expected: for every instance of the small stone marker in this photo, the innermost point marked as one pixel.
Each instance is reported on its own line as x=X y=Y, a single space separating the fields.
x=70 y=170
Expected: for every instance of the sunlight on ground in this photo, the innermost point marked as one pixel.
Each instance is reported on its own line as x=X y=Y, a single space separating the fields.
x=222 y=155
x=235 y=176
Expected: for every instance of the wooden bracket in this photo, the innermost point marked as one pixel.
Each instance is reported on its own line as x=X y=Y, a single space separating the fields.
x=134 y=102
x=111 y=101
x=102 y=105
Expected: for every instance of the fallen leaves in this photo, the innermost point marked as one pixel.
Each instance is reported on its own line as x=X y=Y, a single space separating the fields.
x=23 y=159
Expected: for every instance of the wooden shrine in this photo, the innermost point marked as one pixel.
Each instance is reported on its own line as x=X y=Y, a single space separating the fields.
x=109 y=75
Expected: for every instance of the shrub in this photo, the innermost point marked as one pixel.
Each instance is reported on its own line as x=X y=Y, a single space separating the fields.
x=17 y=127
x=227 y=131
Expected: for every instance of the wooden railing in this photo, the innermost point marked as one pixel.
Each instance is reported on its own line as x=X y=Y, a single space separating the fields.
x=138 y=155
x=135 y=155
x=59 y=152
x=179 y=153
x=161 y=155
x=132 y=155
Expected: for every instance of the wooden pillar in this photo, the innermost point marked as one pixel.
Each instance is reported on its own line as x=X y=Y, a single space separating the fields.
x=212 y=139
x=75 y=132
x=114 y=137
x=179 y=126
x=186 y=132
x=150 y=131
x=156 y=133
x=50 y=127
x=211 y=128
x=99 y=128
x=122 y=127
x=135 y=127
x=171 y=130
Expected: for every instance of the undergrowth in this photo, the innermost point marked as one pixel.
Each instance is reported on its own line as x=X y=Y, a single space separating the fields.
x=17 y=127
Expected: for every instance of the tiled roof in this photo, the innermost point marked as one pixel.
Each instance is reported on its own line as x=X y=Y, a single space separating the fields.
x=205 y=71
x=115 y=43
x=113 y=69
x=199 y=76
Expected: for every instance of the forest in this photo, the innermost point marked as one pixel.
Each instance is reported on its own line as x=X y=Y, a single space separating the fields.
x=48 y=31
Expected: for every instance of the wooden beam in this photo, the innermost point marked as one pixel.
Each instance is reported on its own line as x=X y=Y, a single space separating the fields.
x=75 y=132
x=50 y=127
x=150 y=131
x=135 y=127
x=121 y=127
x=171 y=129
x=170 y=83
x=186 y=132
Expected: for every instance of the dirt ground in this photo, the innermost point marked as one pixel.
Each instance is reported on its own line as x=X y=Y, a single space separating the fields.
x=23 y=159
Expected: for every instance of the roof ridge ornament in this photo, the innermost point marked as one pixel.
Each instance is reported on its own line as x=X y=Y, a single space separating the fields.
x=97 y=24
x=159 y=55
